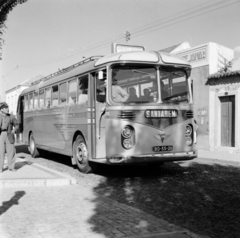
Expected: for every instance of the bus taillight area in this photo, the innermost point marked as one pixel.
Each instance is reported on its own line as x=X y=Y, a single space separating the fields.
x=133 y=142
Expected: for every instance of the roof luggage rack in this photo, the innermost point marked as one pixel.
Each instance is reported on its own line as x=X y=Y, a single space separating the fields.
x=64 y=70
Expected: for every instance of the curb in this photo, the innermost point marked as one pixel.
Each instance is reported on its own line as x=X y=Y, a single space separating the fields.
x=175 y=234
x=59 y=179
x=218 y=157
x=72 y=181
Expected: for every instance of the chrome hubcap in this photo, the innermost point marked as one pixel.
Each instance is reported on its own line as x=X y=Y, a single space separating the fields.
x=81 y=153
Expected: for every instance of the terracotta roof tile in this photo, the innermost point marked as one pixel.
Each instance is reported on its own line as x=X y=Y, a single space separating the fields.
x=224 y=78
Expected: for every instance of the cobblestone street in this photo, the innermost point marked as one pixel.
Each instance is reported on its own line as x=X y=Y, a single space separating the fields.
x=72 y=211
x=174 y=200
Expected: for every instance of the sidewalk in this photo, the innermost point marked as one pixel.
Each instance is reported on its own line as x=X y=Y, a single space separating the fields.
x=43 y=203
x=218 y=157
x=31 y=174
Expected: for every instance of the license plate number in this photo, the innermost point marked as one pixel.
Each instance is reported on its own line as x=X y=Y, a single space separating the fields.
x=163 y=148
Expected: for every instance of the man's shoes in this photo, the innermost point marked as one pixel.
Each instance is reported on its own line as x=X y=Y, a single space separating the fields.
x=13 y=170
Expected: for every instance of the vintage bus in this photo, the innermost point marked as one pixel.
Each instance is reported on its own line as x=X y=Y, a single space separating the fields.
x=127 y=107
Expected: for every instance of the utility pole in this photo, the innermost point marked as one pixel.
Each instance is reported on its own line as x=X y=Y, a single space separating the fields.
x=127 y=36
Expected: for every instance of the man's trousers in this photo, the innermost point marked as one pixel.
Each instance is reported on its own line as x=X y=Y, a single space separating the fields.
x=10 y=148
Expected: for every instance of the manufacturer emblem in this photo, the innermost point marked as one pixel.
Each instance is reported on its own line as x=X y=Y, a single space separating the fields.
x=161 y=136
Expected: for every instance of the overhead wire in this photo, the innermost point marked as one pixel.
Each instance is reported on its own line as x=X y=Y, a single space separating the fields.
x=145 y=29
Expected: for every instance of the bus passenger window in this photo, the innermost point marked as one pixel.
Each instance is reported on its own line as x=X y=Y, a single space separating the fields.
x=26 y=102
x=82 y=89
x=55 y=95
x=63 y=94
x=41 y=99
x=72 y=92
x=101 y=91
x=30 y=101
x=47 y=97
x=35 y=100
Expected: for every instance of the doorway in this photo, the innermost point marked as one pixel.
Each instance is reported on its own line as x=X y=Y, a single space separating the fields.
x=227 y=121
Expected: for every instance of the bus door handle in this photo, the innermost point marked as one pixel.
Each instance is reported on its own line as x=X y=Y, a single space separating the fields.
x=100 y=120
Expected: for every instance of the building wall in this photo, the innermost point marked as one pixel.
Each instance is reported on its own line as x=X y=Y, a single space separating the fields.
x=215 y=115
x=205 y=59
x=12 y=98
x=199 y=76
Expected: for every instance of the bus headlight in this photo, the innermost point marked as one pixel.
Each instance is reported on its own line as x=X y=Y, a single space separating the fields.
x=126 y=132
x=127 y=144
x=188 y=140
x=128 y=137
x=189 y=135
x=189 y=130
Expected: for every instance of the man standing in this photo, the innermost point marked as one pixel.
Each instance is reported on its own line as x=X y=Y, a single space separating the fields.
x=7 y=138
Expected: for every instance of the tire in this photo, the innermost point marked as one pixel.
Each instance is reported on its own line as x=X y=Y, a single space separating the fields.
x=32 y=147
x=80 y=154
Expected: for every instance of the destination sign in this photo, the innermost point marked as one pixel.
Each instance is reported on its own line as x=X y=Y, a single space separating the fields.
x=116 y=48
x=161 y=113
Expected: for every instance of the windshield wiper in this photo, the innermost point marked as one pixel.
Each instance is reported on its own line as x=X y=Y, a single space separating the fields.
x=177 y=97
x=152 y=75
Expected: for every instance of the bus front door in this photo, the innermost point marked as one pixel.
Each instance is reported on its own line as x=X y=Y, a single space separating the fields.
x=100 y=104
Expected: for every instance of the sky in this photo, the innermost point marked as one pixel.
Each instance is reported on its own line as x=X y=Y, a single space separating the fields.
x=43 y=36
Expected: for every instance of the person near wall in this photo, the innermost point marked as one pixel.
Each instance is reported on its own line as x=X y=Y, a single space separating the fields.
x=8 y=126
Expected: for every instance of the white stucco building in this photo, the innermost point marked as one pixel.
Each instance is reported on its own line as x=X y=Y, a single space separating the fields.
x=224 y=108
x=13 y=93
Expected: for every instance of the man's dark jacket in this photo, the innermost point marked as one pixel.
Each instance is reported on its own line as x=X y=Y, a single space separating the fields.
x=12 y=122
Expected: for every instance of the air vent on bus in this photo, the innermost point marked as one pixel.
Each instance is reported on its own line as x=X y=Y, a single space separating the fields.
x=189 y=114
x=126 y=115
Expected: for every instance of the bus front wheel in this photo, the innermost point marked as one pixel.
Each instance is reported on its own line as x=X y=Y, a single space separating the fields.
x=80 y=153
x=32 y=147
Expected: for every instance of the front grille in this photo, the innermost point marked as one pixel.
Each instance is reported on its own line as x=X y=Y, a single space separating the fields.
x=126 y=115
x=189 y=114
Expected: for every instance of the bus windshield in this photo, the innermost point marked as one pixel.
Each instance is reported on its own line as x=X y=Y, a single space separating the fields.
x=140 y=84
x=173 y=85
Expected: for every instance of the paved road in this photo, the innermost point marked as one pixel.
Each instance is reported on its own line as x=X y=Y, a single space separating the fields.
x=190 y=195
x=74 y=211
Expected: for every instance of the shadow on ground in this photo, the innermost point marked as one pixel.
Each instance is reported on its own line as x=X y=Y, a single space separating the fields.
x=13 y=201
x=202 y=198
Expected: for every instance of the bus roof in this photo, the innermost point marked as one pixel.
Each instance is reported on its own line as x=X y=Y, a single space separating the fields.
x=142 y=56
x=97 y=61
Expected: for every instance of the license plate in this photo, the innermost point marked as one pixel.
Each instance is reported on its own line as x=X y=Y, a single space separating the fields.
x=163 y=148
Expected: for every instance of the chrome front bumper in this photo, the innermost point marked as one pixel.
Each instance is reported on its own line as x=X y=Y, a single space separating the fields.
x=152 y=158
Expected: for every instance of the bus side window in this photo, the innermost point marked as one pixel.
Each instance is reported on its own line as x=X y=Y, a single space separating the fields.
x=30 y=101
x=63 y=94
x=35 y=100
x=55 y=95
x=26 y=103
x=101 y=91
x=72 y=91
x=82 y=89
x=47 y=97
x=41 y=99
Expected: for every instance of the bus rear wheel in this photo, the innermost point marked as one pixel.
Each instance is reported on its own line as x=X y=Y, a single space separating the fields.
x=32 y=147
x=80 y=153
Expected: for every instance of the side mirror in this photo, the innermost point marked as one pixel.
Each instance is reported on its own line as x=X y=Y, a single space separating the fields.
x=101 y=75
